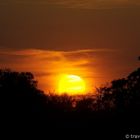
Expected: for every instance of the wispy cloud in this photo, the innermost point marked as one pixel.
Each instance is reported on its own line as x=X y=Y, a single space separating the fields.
x=47 y=65
x=30 y=58
x=84 y=4
x=92 y=4
x=31 y=52
x=94 y=65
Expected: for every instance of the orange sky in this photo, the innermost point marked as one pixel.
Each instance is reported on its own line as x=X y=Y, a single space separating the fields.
x=96 y=67
x=97 y=40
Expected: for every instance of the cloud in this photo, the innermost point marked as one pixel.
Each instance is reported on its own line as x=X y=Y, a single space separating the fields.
x=83 y=4
x=96 y=66
x=34 y=52
x=48 y=65
x=31 y=58
x=93 y=4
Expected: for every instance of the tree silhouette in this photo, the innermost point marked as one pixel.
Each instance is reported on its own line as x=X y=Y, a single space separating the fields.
x=20 y=99
x=19 y=94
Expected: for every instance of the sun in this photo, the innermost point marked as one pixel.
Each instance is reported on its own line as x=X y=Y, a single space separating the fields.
x=71 y=84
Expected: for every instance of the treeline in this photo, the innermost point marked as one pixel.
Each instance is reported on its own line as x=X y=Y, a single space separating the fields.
x=22 y=87
x=20 y=99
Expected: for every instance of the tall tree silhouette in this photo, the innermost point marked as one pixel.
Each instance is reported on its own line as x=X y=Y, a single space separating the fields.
x=19 y=94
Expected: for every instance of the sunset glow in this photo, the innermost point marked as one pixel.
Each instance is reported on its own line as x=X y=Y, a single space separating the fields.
x=84 y=38
x=71 y=84
x=70 y=65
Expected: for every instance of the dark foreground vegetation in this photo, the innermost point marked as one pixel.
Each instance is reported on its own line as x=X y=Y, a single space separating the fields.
x=114 y=110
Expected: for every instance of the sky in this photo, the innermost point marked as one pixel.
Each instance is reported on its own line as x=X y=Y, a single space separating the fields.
x=95 y=39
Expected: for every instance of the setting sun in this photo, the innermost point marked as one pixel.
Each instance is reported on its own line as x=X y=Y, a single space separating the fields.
x=71 y=84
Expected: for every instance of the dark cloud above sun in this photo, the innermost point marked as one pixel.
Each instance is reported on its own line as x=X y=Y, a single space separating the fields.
x=85 y=4
x=50 y=26
x=93 y=4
